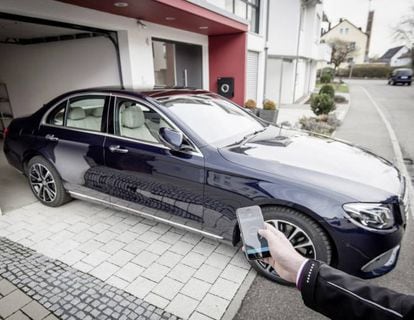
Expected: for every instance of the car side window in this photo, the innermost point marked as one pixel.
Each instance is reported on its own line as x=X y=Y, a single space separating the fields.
x=137 y=121
x=85 y=112
x=57 y=116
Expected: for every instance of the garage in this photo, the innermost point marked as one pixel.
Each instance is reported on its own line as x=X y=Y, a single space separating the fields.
x=40 y=59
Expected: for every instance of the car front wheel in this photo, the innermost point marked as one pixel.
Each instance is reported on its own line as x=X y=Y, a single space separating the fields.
x=305 y=234
x=46 y=183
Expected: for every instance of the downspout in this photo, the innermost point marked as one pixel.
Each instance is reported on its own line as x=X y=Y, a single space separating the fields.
x=266 y=49
x=297 y=50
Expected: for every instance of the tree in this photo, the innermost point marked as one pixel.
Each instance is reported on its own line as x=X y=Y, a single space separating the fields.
x=341 y=52
x=405 y=31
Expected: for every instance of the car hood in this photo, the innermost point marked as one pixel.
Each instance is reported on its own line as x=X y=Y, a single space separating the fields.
x=320 y=161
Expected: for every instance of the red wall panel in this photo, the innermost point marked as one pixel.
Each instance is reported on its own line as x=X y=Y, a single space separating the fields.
x=227 y=58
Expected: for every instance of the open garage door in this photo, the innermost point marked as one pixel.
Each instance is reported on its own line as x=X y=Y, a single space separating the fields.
x=40 y=59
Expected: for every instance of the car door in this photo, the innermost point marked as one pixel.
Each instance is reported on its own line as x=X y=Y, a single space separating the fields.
x=143 y=174
x=73 y=135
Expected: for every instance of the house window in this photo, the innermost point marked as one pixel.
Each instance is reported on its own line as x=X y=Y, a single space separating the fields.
x=246 y=9
x=352 y=45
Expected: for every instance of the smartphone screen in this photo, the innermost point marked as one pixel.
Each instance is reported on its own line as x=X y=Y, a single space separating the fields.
x=250 y=221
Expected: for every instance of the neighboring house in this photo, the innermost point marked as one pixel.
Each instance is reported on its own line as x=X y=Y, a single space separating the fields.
x=294 y=49
x=348 y=32
x=397 y=57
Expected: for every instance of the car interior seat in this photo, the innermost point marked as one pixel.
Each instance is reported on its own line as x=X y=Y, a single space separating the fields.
x=133 y=124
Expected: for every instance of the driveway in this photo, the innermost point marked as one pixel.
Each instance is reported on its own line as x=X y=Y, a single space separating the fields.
x=160 y=270
x=362 y=126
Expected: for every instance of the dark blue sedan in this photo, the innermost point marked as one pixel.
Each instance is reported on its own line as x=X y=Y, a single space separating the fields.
x=190 y=158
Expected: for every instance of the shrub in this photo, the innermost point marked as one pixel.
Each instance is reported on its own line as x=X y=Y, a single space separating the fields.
x=322 y=104
x=250 y=104
x=366 y=71
x=326 y=78
x=269 y=104
x=327 y=89
x=340 y=99
x=324 y=124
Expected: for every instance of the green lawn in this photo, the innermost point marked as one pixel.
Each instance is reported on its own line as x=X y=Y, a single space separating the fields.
x=339 y=87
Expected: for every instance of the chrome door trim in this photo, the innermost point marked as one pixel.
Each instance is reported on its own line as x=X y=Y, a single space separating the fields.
x=146 y=215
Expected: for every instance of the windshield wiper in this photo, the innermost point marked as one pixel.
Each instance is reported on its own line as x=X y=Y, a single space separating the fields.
x=249 y=136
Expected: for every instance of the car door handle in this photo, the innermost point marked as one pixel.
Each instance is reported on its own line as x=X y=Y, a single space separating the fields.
x=117 y=148
x=51 y=137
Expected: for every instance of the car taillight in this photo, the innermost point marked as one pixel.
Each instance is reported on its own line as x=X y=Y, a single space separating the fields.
x=5 y=132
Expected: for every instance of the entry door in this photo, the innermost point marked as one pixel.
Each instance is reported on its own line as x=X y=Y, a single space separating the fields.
x=142 y=174
x=73 y=141
x=188 y=63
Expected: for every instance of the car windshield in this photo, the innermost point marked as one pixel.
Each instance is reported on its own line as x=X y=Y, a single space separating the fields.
x=216 y=120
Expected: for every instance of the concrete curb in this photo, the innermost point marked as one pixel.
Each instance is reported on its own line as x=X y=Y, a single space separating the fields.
x=235 y=304
x=396 y=148
x=345 y=113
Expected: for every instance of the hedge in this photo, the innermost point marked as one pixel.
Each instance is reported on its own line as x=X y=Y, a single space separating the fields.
x=366 y=71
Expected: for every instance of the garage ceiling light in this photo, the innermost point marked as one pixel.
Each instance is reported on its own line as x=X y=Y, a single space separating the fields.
x=169 y=18
x=203 y=27
x=121 y=4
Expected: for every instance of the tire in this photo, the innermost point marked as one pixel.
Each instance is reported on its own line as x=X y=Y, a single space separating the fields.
x=288 y=219
x=45 y=182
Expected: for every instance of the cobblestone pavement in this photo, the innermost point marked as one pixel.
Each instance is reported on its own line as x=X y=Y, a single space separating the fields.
x=34 y=286
x=180 y=272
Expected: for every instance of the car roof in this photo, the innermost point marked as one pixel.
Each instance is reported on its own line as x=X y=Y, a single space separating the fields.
x=153 y=93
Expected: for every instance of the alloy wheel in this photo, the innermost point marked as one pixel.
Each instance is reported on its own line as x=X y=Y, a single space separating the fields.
x=297 y=237
x=42 y=182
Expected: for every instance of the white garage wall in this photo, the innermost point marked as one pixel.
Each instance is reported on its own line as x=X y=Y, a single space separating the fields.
x=34 y=74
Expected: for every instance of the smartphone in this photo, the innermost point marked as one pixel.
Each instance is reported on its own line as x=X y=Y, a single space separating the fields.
x=250 y=221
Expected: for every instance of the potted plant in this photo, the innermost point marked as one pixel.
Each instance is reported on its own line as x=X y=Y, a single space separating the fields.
x=251 y=105
x=269 y=111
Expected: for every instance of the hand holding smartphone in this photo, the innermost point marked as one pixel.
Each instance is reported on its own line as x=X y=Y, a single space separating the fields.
x=250 y=221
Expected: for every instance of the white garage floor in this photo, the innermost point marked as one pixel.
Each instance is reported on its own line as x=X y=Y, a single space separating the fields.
x=183 y=273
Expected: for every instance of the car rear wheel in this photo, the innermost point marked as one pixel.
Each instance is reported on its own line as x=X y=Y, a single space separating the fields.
x=46 y=183
x=305 y=234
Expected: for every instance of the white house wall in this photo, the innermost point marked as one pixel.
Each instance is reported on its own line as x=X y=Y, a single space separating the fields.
x=34 y=74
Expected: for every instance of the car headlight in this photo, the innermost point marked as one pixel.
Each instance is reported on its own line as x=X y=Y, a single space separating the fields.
x=370 y=215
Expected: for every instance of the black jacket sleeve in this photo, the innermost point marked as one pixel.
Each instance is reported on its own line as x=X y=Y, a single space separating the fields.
x=338 y=295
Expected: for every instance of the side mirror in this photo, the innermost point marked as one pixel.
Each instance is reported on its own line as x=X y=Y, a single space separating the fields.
x=171 y=138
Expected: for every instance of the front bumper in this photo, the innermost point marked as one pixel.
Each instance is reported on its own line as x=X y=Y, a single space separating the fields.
x=381 y=264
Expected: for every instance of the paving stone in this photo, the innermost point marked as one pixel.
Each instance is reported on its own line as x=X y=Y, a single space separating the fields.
x=35 y=310
x=82 y=266
x=117 y=282
x=196 y=288
x=13 y=302
x=149 y=237
x=218 y=260
x=235 y=274
x=129 y=272
x=158 y=247
x=170 y=237
x=226 y=250
x=167 y=288
x=106 y=236
x=90 y=246
x=205 y=248
x=112 y=246
x=213 y=306
x=18 y=316
x=160 y=228
x=198 y=316
x=145 y=258
x=6 y=287
x=156 y=300
x=169 y=259
x=181 y=273
x=155 y=272
x=99 y=227
x=193 y=259
x=121 y=258
x=181 y=247
x=104 y=270
x=207 y=273
x=135 y=246
x=182 y=306
x=224 y=288
x=140 y=287
x=192 y=238
x=240 y=260
x=72 y=257
x=96 y=258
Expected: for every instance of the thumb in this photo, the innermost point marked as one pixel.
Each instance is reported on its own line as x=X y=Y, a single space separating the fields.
x=265 y=233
